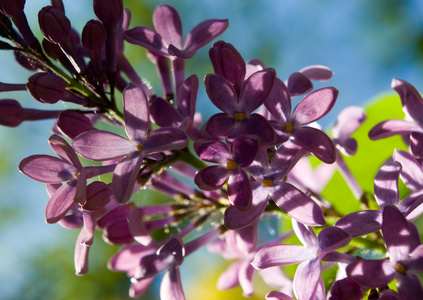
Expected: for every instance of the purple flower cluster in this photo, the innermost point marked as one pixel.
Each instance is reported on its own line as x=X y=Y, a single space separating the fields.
x=223 y=174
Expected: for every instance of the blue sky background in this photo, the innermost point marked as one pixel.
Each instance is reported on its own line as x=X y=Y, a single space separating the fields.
x=366 y=44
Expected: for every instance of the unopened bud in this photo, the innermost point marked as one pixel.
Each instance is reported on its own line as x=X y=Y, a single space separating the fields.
x=54 y=25
x=46 y=87
x=10 y=113
x=108 y=11
x=93 y=35
x=12 y=7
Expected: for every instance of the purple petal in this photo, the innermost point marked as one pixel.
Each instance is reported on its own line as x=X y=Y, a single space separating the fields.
x=410 y=287
x=371 y=273
x=345 y=288
x=138 y=229
x=204 y=33
x=102 y=145
x=390 y=128
x=187 y=96
x=244 y=150
x=235 y=218
x=135 y=110
x=273 y=295
x=305 y=234
x=124 y=260
x=211 y=178
x=386 y=184
x=183 y=54
x=165 y=138
x=125 y=176
x=317 y=142
x=61 y=202
x=412 y=102
x=175 y=248
x=416 y=260
x=222 y=94
x=239 y=189
x=306 y=278
x=286 y=157
x=219 y=126
x=257 y=125
x=411 y=206
x=171 y=287
x=216 y=152
x=229 y=278
x=314 y=106
x=299 y=84
x=164 y=114
x=280 y=255
x=416 y=144
x=47 y=169
x=138 y=288
x=167 y=23
x=411 y=172
x=64 y=150
x=317 y=72
x=81 y=255
x=297 y=205
x=361 y=222
x=332 y=238
x=396 y=233
x=348 y=121
x=255 y=90
x=278 y=102
x=245 y=276
x=147 y=38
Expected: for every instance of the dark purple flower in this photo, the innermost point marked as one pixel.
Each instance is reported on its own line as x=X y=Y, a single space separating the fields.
x=269 y=183
x=232 y=160
x=405 y=258
x=311 y=108
x=104 y=145
x=238 y=117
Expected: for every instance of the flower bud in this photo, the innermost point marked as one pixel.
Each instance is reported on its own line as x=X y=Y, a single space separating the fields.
x=108 y=11
x=98 y=195
x=54 y=25
x=10 y=113
x=93 y=35
x=46 y=87
x=72 y=123
x=12 y=7
x=228 y=63
x=26 y=61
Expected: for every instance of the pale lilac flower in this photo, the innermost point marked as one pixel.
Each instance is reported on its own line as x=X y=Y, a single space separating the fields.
x=67 y=168
x=104 y=145
x=308 y=283
x=291 y=124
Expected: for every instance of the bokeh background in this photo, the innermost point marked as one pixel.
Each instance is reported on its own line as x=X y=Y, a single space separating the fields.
x=366 y=44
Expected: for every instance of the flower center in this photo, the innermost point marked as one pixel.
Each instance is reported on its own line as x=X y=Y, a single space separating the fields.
x=231 y=165
x=400 y=268
x=76 y=174
x=239 y=117
x=267 y=182
x=288 y=127
x=140 y=148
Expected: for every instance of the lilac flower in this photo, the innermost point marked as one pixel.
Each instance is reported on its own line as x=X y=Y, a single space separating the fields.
x=167 y=39
x=311 y=108
x=405 y=258
x=241 y=247
x=238 y=117
x=104 y=145
x=412 y=126
x=67 y=168
x=232 y=160
x=269 y=183
x=308 y=283
x=386 y=193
